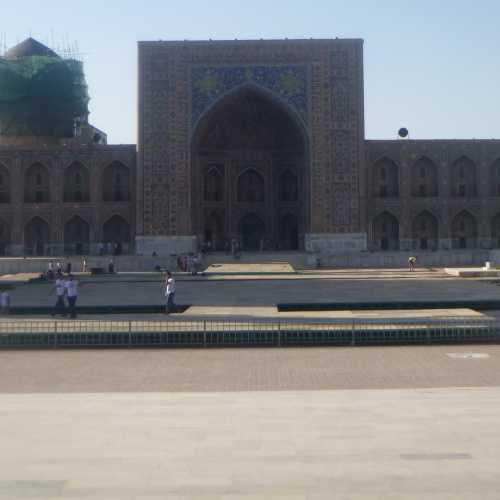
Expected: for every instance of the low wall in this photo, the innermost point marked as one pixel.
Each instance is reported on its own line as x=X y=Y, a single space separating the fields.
x=132 y=263
x=444 y=258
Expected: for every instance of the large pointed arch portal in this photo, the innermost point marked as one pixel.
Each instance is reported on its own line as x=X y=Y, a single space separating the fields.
x=243 y=148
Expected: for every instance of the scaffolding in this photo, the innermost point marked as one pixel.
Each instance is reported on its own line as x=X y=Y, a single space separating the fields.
x=42 y=95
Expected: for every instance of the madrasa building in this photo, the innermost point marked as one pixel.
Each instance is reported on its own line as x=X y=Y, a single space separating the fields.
x=260 y=141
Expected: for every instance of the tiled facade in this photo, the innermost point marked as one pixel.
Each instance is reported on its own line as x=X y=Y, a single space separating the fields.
x=436 y=195
x=261 y=141
x=318 y=82
x=64 y=207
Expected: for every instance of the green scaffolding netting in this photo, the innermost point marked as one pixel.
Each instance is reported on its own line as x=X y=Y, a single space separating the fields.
x=41 y=95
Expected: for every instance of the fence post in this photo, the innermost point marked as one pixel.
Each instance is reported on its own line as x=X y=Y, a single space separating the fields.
x=353 y=334
x=279 y=333
x=204 y=333
x=130 y=333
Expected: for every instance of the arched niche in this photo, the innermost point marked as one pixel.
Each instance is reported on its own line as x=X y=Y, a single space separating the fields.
x=385 y=231
x=76 y=183
x=251 y=136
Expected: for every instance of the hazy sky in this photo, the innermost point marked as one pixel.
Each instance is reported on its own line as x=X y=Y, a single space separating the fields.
x=430 y=65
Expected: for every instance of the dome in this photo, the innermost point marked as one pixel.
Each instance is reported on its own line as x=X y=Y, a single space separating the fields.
x=30 y=47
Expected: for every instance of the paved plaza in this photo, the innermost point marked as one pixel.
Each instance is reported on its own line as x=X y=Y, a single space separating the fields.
x=365 y=423
x=368 y=423
x=268 y=290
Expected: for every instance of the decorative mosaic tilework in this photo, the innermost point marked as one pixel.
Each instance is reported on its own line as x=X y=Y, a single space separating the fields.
x=208 y=83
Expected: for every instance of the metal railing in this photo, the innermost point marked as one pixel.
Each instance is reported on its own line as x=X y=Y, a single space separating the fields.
x=236 y=333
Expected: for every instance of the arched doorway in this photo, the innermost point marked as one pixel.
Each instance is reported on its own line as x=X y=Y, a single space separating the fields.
x=76 y=236
x=425 y=231
x=252 y=232
x=289 y=236
x=386 y=232
x=36 y=237
x=116 y=234
x=4 y=237
x=250 y=162
x=214 y=231
x=464 y=231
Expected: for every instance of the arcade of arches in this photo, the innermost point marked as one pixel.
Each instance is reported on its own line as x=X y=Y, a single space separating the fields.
x=53 y=206
x=250 y=174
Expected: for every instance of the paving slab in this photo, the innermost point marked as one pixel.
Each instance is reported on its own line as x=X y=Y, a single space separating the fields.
x=432 y=444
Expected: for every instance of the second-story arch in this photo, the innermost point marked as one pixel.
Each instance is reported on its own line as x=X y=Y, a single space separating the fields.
x=424 y=178
x=37 y=184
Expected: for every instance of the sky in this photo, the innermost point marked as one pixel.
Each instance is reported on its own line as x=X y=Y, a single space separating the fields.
x=432 y=66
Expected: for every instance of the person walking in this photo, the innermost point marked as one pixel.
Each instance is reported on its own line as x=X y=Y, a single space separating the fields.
x=84 y=265
x=60 y=289
x=170 y=293
x=71 y=286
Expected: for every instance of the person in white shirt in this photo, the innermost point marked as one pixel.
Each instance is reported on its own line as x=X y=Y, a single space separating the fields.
x=60 y=289
x=71 y=286
x=170 y=293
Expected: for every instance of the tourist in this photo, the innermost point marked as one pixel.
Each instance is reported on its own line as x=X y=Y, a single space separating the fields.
x=84 y=265
x=50 y=270
x=412 y=261
x=71 y=287
x=111 y=266
x=60 y=289
x=68 y=267
x=5 y=300
x=170 y=293
x=58 y=267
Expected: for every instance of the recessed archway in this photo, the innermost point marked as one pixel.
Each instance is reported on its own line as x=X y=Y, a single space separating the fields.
x=255 y=148
x=76 y=236
x=252 y=232
x=116 y=234
x=37 y=237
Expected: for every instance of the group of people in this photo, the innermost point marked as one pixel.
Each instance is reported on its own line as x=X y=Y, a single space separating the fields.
x=66 y=290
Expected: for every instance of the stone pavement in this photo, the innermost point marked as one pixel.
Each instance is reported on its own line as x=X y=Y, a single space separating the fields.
x=432 y=444
x=263 y=291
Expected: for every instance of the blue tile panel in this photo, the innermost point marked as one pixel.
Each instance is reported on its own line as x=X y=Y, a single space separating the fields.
x=288 y=82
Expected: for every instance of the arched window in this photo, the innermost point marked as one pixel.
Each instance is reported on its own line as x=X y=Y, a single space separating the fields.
x=37 y=184
x=116 y=183
x=464 y=231
x=214 y=185
x=424 y=178
x=251 y=187
x=76 y=236
x=463 y=175
x=4 y=185
x=76 y=183
x=288 y=189
x=425 y=231
x=385 y=179
x=386 y=232
x=36 y=237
